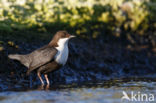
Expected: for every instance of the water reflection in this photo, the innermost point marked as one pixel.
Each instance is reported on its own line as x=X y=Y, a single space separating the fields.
x=101 y=92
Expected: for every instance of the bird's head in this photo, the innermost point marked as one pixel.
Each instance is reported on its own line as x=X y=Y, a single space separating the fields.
x=60 y=38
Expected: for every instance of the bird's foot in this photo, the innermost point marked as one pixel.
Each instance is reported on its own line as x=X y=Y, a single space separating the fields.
x=47 y=87
x=41 y=87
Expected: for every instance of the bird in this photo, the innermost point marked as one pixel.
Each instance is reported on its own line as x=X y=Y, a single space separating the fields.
x=48 y=58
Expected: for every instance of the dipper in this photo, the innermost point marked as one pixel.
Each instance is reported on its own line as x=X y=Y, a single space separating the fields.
x=47 y=58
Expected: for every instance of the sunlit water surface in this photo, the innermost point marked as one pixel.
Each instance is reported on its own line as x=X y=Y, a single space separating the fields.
x=101 y=92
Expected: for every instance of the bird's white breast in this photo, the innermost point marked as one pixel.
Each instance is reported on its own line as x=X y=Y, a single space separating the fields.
x=62 y=54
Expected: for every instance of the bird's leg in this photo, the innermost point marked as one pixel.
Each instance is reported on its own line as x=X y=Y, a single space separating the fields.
x=39 y=75
x=46 y=77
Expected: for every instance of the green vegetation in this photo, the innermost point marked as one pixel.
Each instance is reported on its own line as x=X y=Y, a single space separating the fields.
x=128 y=19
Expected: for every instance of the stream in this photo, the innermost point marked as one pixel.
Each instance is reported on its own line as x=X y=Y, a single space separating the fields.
x=108 y=91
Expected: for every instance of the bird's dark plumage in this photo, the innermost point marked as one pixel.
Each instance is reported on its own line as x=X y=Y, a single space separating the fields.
x=37 y=58
x=41 y=57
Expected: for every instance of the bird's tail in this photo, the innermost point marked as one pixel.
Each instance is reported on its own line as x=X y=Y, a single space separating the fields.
x=14 y=56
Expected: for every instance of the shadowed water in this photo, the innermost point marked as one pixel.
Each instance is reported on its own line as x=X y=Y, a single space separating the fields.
x=100 y=92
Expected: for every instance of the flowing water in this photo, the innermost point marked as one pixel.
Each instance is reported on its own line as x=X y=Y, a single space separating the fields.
x=110 y=91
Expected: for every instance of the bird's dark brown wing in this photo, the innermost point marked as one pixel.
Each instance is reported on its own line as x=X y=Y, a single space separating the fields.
x=41 y=56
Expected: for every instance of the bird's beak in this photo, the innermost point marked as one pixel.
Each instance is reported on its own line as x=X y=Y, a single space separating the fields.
x=72 y=36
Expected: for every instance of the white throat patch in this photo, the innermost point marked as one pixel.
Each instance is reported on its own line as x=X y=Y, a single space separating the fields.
x=62 y=54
